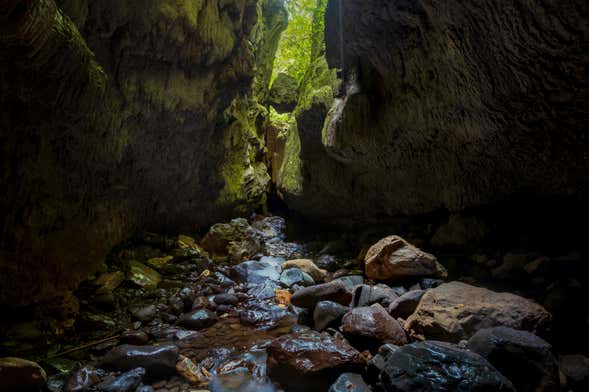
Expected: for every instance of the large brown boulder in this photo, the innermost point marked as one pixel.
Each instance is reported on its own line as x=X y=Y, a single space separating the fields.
x=394 y=258
x=456 y=311
x=373 y=324
x=20 y=374
x=311 y=361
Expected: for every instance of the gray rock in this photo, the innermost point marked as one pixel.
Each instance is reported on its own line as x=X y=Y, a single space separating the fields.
x=292 y=276
x=328 y=314
x=256 y=272
x=524 y=358
x=198 y=319
x=334 y=291
x=158 y=361
x=365 y=295
x=405 y=305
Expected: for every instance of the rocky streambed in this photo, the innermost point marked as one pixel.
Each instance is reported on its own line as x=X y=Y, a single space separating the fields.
x=244 y=309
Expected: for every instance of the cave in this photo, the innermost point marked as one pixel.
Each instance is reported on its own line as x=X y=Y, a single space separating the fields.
x=294 y=195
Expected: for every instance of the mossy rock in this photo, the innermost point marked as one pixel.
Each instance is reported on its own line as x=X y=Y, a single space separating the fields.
x=284 y=93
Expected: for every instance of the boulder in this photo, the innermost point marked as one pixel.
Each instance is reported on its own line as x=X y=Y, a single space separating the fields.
x=366 y=295
x=393 y=258
x=335 y=291
x=256 y=272
x=456 y=311
x=437 y=366
x=198 y=319
x=18 y=373
x=406 y=304
x=372 y=326
x=158 y=361
x=310 y=361
x=328 y=314
x=307 y=266
x=350 y=382
x=235 y=240
x=524 y=358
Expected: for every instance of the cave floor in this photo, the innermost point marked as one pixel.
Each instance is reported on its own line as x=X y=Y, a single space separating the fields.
x=168 y=315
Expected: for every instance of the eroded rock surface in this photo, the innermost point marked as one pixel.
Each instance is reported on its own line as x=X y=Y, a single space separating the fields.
x=455 y=311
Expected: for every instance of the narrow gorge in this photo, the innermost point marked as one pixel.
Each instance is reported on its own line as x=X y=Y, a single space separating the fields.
x=294 y=195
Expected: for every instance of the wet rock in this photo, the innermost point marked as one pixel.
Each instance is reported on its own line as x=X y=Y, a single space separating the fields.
x=126 y=382
x=190 y=371
x=256 y=272
x=198 y=319
x=145 y=314
x=350 y=382
x=187 y=242
x=264 y=291
x=137 y=338
x=333 y=291
x=158 y=361
x=307 y=266
x=405 y=305
x=393 y=258
x=83 y=379
x=438 y=366
x=310 y=361
x=372 y=326
x=225 y=299
x=107 y=283
x=264 y=315
x=365 y=295
x=142 y=275
x=328 y=314
x=286 y=250
x=455 y=311
x=292 y=276
x=377 y=363
x=351 y=281
x=576 y=370
x=525 y=359
x=18 y=373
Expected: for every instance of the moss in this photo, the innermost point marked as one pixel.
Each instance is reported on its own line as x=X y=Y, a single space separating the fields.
x=290 y=179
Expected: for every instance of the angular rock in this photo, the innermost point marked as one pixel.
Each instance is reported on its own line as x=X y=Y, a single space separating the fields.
x=334 y=291
x=393 y=258
x=373 y=326
x=198 y=319
x=437 y=366
x=18 y=373
x=220 y=235
x=158 y=361
x=328 y=314
x=108 y=282
x=264 y=315
x=272 y=227
x=405 y=305
x=455 y=311
x=225 y=299
x=142 y=275
x=256 y=272
x=350 y=382
x=283 y=93
x=307 y=266
x=524 y=358
x=145 y=314
x=310 y=361
x=292 y=276
x=366 y=295
x=126 y=382
x=576 y=370
x=159 y=262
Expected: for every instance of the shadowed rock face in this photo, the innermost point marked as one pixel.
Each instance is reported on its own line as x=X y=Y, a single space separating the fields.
x=447 y=104
x=130 y=115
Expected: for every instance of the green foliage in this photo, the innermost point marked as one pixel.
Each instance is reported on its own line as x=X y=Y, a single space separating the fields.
x=303 y=38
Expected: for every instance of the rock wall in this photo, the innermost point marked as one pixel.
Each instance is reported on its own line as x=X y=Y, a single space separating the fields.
x=445 y=105
x=118 y=116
